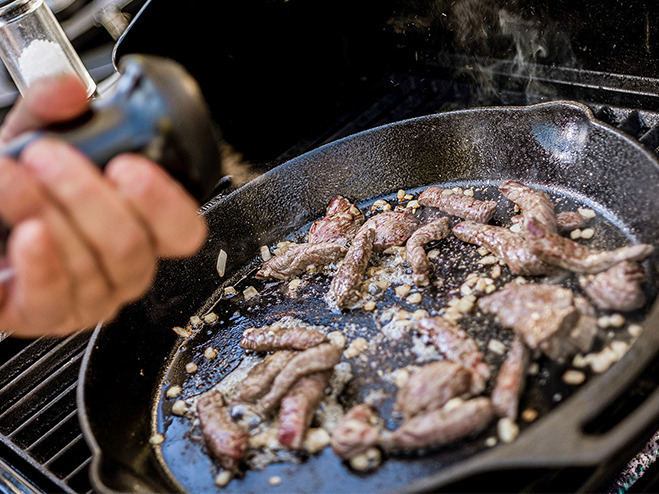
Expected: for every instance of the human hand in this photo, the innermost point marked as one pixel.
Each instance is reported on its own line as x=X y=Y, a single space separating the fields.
x=83 y=242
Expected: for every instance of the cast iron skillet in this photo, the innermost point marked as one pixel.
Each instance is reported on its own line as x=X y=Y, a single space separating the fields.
x=558 y=146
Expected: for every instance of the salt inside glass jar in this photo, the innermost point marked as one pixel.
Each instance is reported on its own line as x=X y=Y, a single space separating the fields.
x=33 y=45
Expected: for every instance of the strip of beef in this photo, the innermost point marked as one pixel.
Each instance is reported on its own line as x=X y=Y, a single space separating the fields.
x=275 y=337
x=570 y=220
x=357 y=431
x=617 y=288
x=511 y=380
x=443 y=426
x=536 y=312
x=416 y=254
x=536 y=205
x=344 y=290
x=298 y=406
x=511 y=248
x=432 y=386
x=298 y=258
x=392 y=229
x=225 y=439
x=579 y=339
x=341 y=221
x=456 y=204
x=319 y=358
x=573 y=256
x=456 y=345
x=260 y=377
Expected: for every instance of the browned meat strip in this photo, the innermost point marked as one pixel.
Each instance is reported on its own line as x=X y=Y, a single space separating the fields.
x=579 y=339
x=298 y=258
x=416 y=254
x=297 y=408
x=511 y=380
x=344 y=290
x=432 y=386
x=274 y=337
x=319 y=358
x=357 y=432
x=511 y=248
x=535 y=204
x=455 y=344
x=568 y=254
x=458 y=204
x=570 y=220
x=339 y=225
x=392 y=229
x=260 y=377
x=226 y=440
x=536 y=312
x=443 y=426
x=617 y=288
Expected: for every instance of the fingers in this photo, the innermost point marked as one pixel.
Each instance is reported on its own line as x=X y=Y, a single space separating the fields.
x=103 y=218
x=48 y=101
x=177 y=228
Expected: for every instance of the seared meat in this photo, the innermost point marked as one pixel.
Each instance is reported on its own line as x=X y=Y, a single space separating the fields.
x=511 y=380
x=511 y=248
x=416 y=254
x=298 y=406
x=274 y=337
x=579 y=339
x=344 y=290
x=339 y=225
x=392 y=228
x=536 y=312
x=617 y=288
x=456 y=204
x=298 y=258
x=455 y=344
x=535 y=204
x=226 y=440
x=443 y=426
x=570 y=220
x=260 y=377
x=319 y=358
x=568 y=254
x=356 y=432
x=432 y=386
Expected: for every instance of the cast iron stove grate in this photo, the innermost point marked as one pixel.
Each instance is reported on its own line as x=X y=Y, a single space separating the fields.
x=40 y=438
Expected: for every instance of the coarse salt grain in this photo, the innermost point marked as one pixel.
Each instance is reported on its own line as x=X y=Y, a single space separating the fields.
x=507 y=430
x=210 y=318
x=157 y=439
x=355 y=347
x=415 y=298
x=516 y=228
x=179 y=408
x=250 y=292
x=575 y=234
x=573 y=377
x=337 y=339
x=402 y=290
x=274 y=480
x=191 y=367
x=183 y=332
x=229 y=291
x=223 y=478
x=587 y=233
x=529 y=414
x=586 y=213
x=369 y=305
x=173 y=391
x=210 y=353
x=221 y=263
x=496 y=346
x=635 y=330
x=316 y=440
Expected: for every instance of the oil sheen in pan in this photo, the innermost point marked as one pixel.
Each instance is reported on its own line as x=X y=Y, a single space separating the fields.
x=182 y=451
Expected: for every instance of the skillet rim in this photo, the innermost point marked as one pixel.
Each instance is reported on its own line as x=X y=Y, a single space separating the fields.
x=475 y=461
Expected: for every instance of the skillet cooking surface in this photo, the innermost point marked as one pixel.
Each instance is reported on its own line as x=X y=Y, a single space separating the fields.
x=556 y=146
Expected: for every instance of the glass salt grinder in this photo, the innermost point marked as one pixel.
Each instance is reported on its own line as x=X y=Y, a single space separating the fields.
x=33 y=45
